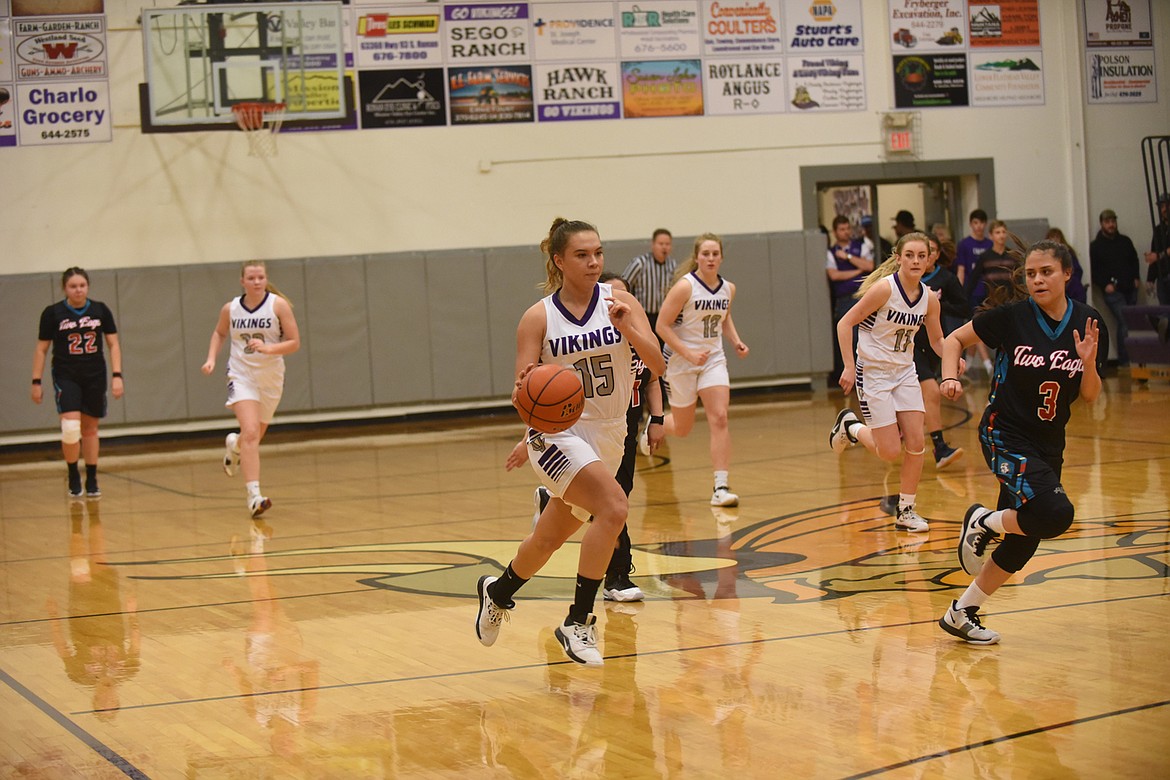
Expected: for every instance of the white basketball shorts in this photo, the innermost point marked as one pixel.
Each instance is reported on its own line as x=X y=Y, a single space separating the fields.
x=557 y=457
x=883 y=392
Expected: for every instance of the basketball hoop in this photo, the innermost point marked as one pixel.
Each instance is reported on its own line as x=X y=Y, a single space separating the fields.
x=260 y=123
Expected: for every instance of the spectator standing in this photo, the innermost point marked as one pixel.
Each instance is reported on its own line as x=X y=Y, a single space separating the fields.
x=1076 y=285
x=968 y=252
x=847 y=262
x=1113 y=264
x=878 y=246
x=1158 y=258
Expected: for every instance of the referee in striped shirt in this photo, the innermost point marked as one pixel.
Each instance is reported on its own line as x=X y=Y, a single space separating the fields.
x=650 y=275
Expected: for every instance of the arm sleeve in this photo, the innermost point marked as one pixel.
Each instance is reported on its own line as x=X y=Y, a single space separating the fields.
x=993 y=325
x=108 y=324
x=45 y=330
x=954 y=300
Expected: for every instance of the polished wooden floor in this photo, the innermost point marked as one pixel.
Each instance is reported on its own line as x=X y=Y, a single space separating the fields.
x=158 y=632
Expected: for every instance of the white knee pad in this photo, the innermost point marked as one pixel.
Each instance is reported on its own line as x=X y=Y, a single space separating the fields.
x=70 y=431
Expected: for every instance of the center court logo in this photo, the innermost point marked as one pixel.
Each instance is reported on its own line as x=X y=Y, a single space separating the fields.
x=790 y=559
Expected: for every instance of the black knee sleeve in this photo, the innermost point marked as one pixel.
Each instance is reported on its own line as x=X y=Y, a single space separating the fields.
x=1014 y=552
x=1046 y=516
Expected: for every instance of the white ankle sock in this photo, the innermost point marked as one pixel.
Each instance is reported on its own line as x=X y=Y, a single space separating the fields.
x=720 y=479
x=906 y=500
x=253 y=489
x=994 y=521
x=972 y=597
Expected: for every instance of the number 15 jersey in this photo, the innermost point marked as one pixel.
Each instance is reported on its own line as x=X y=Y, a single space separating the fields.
x=596 y=348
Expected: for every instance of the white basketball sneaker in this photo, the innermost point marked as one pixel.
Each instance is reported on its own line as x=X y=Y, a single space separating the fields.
x=839 y=438
x=909 y=520
x=231 y=454
x=579 y=641
x=258 y=505
x=724 y=497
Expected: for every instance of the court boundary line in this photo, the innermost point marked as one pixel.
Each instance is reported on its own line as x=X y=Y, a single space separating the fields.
x=1006 y=738
x=650 y=654
x=99 y=747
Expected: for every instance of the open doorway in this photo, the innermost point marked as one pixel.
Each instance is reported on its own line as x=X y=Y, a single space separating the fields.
x=941 y=191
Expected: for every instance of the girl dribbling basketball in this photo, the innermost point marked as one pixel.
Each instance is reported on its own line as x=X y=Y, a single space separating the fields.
x=592 y=328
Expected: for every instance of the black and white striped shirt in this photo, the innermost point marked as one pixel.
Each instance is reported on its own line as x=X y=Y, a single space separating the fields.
x=650 y=280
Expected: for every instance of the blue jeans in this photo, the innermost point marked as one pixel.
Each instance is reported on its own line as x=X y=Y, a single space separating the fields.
x=1115 y=301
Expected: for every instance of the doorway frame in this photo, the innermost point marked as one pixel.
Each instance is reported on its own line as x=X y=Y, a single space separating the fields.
x=813 y=178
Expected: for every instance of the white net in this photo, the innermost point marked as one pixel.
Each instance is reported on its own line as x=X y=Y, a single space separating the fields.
x=261 y=123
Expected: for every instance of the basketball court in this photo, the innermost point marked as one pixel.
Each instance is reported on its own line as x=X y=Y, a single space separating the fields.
x=159 y=632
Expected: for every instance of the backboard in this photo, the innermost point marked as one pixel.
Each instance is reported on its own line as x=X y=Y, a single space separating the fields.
x=203 y=59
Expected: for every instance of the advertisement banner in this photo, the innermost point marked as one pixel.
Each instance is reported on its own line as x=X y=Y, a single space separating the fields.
x=823 y=27
x=667 y=88
x=487 y=34
x=63 y=113
x=6 y=72
x=574 y=31
x=742 y=27
x=1121 y=76
x=754 y=86
x=1007 y=79
x=1113 y=23
x=827 y=82
x=403 y=37
x=402 y=98
x=1005 y=23
x=930 y=81
x=490 y=95
x=937 y=25
x=575 y=92
x=60 y=48
x=659 y=28
x=7 y=114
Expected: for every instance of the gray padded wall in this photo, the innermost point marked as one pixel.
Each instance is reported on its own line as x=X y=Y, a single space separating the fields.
x=457 y=309
x=340 y=350
x=512 y=275
x=1031 y=230
x=149 y=317
x=817 y=306
x=401 y=362
x=22 y=299
x=288 y=276
x=390 y=329
x=204 y=289
x=748 y=264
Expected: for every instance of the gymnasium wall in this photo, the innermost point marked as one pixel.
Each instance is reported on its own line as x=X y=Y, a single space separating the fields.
x=384 y=331
x=197 y=198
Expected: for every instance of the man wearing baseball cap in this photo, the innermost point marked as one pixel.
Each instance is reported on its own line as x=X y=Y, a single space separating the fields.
x=903 y=223
x=1114 y=264
x=1158 y=258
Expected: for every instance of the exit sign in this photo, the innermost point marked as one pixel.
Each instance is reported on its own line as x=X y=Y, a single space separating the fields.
x=899 y=140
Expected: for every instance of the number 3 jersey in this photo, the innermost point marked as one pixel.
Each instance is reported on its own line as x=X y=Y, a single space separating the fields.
x=1037 y=370
x=596 y=348
x=78 y=336
x=260 y=323
x=885 y=339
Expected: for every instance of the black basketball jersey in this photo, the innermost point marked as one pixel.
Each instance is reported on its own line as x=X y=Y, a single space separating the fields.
x=78 y=335
x=1037 y=370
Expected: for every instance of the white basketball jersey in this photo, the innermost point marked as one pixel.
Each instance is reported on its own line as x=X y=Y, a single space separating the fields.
x=700 y=323
x=886 y=337
x=245 y=325
x=597 y=349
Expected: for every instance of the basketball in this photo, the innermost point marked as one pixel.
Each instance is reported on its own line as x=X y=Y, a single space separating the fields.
x=551 y=398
